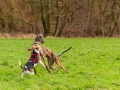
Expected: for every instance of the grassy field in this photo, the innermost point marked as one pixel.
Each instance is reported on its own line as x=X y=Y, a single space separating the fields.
x=93 y=64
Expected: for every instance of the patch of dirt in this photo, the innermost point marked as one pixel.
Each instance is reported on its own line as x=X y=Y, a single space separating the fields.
x=17 y=35
x=50 y=37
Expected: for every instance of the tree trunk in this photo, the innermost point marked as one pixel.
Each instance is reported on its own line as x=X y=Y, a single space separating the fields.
x=43 y=18
x=101 y=18
x=113 y=18
x=49 y=23
x=57 y=19
x=46 y=21
x=89 y=15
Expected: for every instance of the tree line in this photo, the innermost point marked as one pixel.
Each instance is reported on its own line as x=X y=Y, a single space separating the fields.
x=68 y=18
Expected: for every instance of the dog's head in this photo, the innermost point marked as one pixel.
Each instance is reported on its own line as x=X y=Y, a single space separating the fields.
x=39 y=38
x=35 y=49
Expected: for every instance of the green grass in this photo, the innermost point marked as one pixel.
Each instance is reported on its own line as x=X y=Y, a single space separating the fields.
x=93 y=64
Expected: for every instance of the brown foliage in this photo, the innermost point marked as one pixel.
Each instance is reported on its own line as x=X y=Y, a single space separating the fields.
x=68 y=18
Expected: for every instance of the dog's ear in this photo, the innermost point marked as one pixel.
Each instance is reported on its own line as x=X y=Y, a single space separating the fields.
x=29 y=49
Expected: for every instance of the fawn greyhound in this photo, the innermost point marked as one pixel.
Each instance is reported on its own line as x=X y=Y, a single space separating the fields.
x=51 y=56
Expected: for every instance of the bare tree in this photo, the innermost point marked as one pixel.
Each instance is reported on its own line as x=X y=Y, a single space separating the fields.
x=103 y=4
x=46 y=17
x=114 y=16
x=57 y=19
x=89 y=15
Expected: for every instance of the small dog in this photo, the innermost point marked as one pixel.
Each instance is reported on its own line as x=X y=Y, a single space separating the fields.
x=35 y=58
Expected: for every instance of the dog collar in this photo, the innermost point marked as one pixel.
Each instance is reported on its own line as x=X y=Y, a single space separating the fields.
x=36 y=42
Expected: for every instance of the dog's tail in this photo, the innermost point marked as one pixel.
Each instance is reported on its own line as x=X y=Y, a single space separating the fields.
x=64 y=51
x=20 y=64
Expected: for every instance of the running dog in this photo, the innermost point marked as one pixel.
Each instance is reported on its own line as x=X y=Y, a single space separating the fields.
x=52 y=57
x=49 y=54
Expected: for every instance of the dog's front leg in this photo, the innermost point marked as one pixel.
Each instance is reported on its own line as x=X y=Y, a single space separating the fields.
x=45 y=63
x=42 y=64
x=35 y=72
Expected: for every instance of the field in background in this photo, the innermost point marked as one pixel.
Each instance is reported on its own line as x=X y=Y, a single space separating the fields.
x=93 y=64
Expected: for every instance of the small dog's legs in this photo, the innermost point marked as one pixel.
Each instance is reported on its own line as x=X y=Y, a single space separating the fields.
x=35 y=72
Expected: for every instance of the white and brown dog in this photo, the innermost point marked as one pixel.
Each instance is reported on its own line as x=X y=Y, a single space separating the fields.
x=35 y=58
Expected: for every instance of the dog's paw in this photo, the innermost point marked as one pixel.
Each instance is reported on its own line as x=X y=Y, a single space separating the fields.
x=43 y=66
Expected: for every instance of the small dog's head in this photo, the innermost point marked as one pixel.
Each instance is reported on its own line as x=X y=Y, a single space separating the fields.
x=35 y=48
x=39 y=38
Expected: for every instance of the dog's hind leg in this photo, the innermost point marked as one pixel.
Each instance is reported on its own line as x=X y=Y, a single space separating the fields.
x=51 y=64
x=60 y=64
